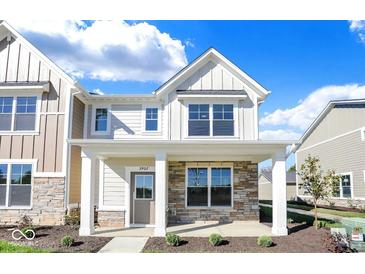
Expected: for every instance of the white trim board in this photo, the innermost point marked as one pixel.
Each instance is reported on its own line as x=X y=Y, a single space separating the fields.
x=330 y=139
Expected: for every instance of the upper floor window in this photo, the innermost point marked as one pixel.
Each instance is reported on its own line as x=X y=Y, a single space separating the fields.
x=6 y=110
x=25 y=113
x=223 y=124
x=20 y=118
x=151 y=119
x=199 y=124
x=15 y=185
x=101 y=119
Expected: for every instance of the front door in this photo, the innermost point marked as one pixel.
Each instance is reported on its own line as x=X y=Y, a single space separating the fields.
x=142 y=198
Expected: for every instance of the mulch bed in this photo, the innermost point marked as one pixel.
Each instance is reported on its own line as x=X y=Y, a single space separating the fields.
x=302 y=239
x=49 y=237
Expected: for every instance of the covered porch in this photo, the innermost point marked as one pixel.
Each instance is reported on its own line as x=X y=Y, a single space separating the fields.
x=159 y=154
x=197 y=229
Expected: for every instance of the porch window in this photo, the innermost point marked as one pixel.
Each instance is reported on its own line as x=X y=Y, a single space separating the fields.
x=223 y=120
x=6 y=109
x=101 y=119
x=151 y=119
x=221 y=187
x=15 y=185
x=199 y=124
x=209 y=187
x=25 y=113
x=197 y=189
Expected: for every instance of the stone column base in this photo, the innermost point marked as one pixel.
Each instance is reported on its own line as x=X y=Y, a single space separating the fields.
x=113 y=219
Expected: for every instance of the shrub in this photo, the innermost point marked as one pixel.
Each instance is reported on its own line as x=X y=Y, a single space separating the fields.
x=172 y=239
x=25 y=222
x=215 y=239
x=290 y=221
x=357 y=230
x=264 y=241
x=67 y=241
x=328 y=224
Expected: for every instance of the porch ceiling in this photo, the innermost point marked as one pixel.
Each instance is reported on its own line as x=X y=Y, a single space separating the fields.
x=198 y=150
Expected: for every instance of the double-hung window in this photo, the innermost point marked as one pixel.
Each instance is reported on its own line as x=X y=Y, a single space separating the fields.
x=199 y=123
x=209 y=187
x=202 y=123
x=101 y=120
x=151 y=122
x=25 y=114
x=15 y=185
x=223 y=124
x=6 y=110
x=344 y=190
x=22 y=117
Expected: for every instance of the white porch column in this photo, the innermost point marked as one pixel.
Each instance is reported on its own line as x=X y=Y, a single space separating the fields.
x=161 y=194
x=279 y=220
x=87 y=194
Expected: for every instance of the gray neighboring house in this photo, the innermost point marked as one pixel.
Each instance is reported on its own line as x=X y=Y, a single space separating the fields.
x=337 y=137
x=265 y=185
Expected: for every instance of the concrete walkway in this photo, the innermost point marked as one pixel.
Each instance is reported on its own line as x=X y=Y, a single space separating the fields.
x=310 y=213
x=197 y=229
x=124 y=245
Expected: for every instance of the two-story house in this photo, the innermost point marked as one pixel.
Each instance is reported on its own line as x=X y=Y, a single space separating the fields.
x=187 y=152
x=337 y=138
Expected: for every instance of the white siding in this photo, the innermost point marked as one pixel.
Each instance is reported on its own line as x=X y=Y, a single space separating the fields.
x=115 y=181
x=126 y=120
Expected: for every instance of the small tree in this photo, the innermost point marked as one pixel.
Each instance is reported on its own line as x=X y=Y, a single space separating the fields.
x=317 y=184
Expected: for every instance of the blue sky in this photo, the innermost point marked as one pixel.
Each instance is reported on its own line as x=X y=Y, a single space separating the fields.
x=304 y=63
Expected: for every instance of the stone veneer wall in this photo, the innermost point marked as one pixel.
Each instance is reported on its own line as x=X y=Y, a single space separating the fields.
x=48 y=204
x=111 y=219
x=245 y=196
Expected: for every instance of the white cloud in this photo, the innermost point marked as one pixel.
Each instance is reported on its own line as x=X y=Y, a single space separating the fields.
x=107 y=50
x=279 y=134
x=358 y=27
x=307 y=110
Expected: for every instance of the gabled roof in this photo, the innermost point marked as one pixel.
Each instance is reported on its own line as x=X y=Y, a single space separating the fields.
x=209 y=54
x=331 y=104
x=39 y=54
x=290 y=176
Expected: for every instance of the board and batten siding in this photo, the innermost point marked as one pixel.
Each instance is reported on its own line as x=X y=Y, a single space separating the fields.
x=338 y=121
x=75 y=163
x=344 y=154
x=212 y=76
x=20 y=64
x=115 y=181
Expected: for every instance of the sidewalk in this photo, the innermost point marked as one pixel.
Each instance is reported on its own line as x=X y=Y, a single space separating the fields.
x=124 y=245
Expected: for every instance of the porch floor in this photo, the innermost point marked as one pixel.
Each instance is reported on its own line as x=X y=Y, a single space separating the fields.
x=197 y=229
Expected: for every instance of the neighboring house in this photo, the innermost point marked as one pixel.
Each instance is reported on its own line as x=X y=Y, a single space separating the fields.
x=337 y=138
x=265 y=185
x=187 y=152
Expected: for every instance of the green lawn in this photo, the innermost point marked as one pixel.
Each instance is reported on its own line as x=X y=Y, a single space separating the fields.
x=7 y=247
x=340 y=213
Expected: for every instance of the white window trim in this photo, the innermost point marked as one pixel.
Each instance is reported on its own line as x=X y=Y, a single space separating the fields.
x=341 y=191
x=159 y=120
x=9 y=162
x=135 y=187
x=362 y=130
x=211 y=103
x=93 y=118
x=209 y=168
x=15 y=95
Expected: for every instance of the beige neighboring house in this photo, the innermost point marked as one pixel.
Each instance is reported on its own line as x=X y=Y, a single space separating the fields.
x=337 y=137
x=187 y=152
x=265 y=185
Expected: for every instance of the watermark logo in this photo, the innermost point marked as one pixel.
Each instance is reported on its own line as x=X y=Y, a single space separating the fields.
x=28 y=234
